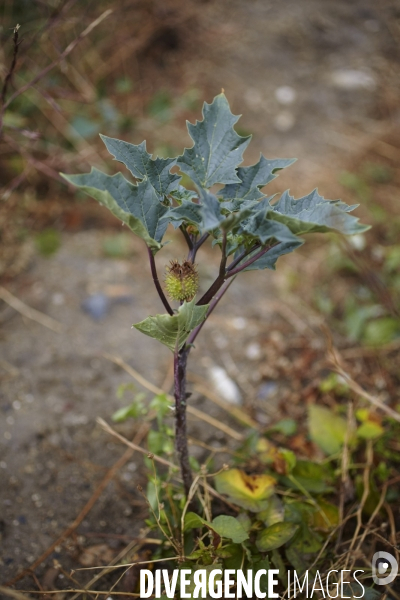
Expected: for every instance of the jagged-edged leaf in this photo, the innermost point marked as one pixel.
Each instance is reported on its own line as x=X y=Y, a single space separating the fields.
x=268 y=260
x=173 y=331
x=210 y=211
x=217 y=149
x=187 y=211
x=251 y=180
x=229 y=527
x=182 y=193
x=136 y=205
x=264 y=229
x=235 y=218
x=275 y=536
x=312 y=213
x=143 y=166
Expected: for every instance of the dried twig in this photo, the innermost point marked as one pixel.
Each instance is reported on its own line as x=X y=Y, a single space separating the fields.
x=190 y=409
x=14 y=593
x=134 y=545
x=367 y=471
x=133 y=445
x=12 y=67
x=335 y=360
x=199 y=414
x=234 y=411
x=29 y=312
x=61 y=57
x=161 y=460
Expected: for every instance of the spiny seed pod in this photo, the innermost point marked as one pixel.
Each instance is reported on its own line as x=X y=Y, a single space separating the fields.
x=182 y=280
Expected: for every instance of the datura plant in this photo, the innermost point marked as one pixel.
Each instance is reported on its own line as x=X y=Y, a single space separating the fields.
x=251 y=230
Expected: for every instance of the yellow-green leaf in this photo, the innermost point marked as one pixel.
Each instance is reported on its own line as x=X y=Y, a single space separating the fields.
x=327 y=429
x=369 y=430
x=248 y=491
x=173 y=331
x=275 y=536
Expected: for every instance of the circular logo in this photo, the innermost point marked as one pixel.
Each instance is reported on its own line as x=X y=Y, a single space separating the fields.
x=381 y=561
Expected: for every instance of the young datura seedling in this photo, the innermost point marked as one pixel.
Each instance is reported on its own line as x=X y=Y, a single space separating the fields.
x=251 y=230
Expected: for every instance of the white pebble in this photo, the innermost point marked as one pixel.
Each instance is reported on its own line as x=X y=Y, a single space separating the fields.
x=358 y=241
x=239 y=323
x=352 y=79
x=225 y=386
x=285 y=95
x=253 y=351
x=58 y=299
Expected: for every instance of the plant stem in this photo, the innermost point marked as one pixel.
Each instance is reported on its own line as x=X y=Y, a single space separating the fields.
x=213 y=304
x=187 y=237
x=251 y=260
x=181 y=445
x=157 y=283
x=241 y=256
x=196 y=246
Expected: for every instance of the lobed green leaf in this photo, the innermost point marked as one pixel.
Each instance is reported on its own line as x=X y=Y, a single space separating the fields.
x=217 y=149
x=173 y=331
x=251 y=180
x=135 y=205
x=142 y=166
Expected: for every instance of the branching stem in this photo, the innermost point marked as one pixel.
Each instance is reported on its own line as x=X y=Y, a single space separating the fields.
x=241 y=256
x=251 y=260
x=157 y=283
x=213 y=304
x=196 y=246
x=187 y=237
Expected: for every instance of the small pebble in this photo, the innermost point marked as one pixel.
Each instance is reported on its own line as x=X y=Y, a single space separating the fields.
x=58 y=299
x=358 y=241
x=96 y=306
x=266 y=390
x=225 y=386
x=239 y=323
x=285 y=95
x=253 y=351
x=352 y=79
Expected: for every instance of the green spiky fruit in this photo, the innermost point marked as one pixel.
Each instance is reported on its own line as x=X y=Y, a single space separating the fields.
x=182 y=281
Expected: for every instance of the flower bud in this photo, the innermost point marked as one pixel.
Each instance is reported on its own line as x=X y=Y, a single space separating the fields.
x=182 y=280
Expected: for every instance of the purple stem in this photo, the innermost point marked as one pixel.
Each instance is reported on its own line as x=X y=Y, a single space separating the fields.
x=241 y=256
x=187 y=237
x=213 y=304
x=196 y=246
x=251 y=260
x=157 y=283
x=181 y=445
